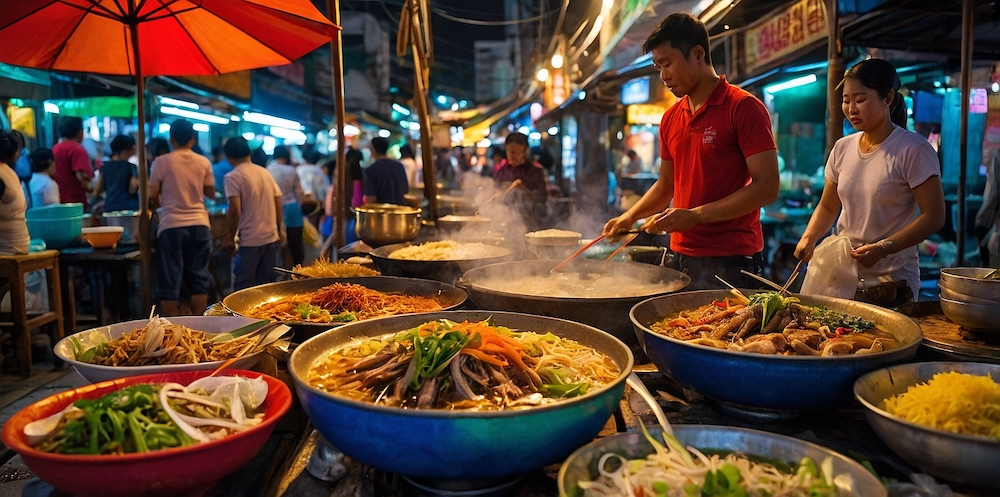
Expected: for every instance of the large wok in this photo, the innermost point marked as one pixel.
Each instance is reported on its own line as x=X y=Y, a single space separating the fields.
x=769 y=382
x=447 y=271
x=608 y=314
x=242 y=301
x=458 y=445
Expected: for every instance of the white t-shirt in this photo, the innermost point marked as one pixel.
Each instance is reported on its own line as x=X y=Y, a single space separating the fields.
x=876 y=192
x=44 y=190
x=182 y=176
x=288 y=181
x=314 y=182
x=256 y=190
x=414 y=176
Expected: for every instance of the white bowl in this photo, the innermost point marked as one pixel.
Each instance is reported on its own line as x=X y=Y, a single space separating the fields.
x=210 y=324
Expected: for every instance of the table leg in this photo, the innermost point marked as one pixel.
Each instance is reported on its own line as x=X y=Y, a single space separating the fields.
x=69 y=298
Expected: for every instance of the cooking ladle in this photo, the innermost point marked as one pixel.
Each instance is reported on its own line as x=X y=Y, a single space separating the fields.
x=516 y=183
x=635 y=383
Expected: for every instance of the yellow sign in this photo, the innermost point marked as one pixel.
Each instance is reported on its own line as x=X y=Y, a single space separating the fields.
x=234 y=84
x=644 y=114
x=797 y=26
x=22 y=119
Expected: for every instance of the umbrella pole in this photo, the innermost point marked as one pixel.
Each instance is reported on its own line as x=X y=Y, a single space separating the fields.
x=145 y=250
x=342 y=195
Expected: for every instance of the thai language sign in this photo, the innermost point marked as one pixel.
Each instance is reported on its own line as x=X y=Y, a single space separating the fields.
x=791 y=29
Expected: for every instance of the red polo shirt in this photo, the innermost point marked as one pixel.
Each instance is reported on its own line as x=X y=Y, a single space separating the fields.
x=709 y=150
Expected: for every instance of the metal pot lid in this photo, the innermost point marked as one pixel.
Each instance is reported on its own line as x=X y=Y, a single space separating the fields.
x=944 y=335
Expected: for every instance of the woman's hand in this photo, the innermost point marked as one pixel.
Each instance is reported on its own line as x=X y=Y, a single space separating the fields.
x=804 y=249
x=867 y=255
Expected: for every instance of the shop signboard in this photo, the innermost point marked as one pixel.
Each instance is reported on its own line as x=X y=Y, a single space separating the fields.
x=636 y=91
x=798 y=26
x=644 y=114
x=991 y=137
x=233 y=84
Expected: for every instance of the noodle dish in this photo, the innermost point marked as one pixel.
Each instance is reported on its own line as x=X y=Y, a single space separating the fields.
x=448 y=250
x=712 y=461
x=323 y=268
x=160 y=434
x=468 y=365
x=460 y=395
x=941 y=417
x=159 y=345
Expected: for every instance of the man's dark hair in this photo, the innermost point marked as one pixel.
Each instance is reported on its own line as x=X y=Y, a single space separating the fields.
x=236 y=148
x=380 y=145
x=518 y=138
x=259 y=156
x=406 y=151
x=8 y=147
x=70 y=126
x=683 y=31
x=182 y=132
x=282 y=152
x=121 y=143
x=41 y=159
x=158 y=146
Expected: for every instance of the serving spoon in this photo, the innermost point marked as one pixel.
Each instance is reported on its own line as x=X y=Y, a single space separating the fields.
x=635 y=383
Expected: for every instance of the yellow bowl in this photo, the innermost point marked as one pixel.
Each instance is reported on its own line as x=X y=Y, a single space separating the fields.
x=103 y=236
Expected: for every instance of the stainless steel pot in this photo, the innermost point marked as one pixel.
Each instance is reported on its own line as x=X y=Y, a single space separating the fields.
x=126 y=219
x=382 y=224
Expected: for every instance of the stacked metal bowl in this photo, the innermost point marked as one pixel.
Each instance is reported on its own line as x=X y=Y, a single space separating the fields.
x=970 y=296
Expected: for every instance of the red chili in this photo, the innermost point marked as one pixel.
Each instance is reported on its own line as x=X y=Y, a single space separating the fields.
x=841 y=330
x=720 y=303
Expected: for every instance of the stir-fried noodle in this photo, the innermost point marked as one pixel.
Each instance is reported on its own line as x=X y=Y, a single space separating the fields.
x=449 y=365
x=342 y=302
x=180 y=345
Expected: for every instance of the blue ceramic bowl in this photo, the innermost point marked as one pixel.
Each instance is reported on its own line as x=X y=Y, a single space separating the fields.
x=468 y=446
x=758 y=382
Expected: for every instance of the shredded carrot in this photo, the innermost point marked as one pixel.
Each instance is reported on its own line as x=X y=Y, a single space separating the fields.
x=484 y=357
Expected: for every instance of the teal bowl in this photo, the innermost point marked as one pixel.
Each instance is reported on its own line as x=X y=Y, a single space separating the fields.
x=54 y=211
x=471 y=447
x=57 y=233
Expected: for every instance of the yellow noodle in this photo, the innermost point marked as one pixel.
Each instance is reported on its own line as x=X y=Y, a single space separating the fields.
x=955 y=402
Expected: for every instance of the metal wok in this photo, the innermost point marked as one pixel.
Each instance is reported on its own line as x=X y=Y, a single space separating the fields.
x=243 y=301
x=582 y=465
x=447 y=271
x=608 y=314
x=458 y=445
x=769 y=382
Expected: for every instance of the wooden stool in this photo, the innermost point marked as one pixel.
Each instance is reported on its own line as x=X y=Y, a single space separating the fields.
x=12 y=271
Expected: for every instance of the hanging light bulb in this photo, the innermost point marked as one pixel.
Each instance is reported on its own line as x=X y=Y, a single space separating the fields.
x=557 y=61
x=543 y=74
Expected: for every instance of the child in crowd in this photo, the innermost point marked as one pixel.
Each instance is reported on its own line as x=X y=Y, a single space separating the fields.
x=44 y=189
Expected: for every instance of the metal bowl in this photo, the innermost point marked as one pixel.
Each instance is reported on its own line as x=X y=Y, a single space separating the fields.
x=960 y=458
x=382 y=224
x=947 y=293
x=582 y=464
x=209 y=324
x=458 y=445
x=243 y=301
x=970 y=281
x=448 y=271
x=768 y=382
x=979 y=317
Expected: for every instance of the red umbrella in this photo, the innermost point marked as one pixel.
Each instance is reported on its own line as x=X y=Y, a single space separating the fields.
x=174 y=38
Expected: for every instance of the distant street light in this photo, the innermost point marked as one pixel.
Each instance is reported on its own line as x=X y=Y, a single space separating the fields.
x=543 y=74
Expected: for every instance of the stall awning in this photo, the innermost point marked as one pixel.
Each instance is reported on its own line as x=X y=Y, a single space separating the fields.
x=476 y=131
x=24 y=83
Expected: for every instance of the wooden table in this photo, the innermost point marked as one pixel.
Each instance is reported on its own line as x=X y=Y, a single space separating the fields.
x=112 y=295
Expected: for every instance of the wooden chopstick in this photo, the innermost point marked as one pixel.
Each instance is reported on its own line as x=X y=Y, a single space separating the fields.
x=795 y=274
x=578 y=252
x=627 y=241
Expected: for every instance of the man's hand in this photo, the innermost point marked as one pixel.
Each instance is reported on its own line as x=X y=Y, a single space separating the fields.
x=229 y=247
x=617 y=226
x=672 y=220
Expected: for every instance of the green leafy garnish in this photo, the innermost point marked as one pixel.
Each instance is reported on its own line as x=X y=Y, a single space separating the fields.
x=557 y=385
x=432 y=354
x=834 y=320
x=772 y=302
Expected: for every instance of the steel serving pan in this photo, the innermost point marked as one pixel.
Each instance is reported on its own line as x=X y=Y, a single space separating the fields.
x=452 y=445
x=769 y=382
x=242 y=301
x=582 y=464
x=961 y=458
x=448 y=271
x=608 y=314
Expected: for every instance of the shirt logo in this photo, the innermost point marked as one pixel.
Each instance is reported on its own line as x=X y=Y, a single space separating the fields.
x=709 y=137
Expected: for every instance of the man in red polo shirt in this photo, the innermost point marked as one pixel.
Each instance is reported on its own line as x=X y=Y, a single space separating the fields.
x=73 y=171
x=719 y=164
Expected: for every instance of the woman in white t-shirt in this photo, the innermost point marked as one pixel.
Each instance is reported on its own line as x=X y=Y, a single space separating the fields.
x=875 y=182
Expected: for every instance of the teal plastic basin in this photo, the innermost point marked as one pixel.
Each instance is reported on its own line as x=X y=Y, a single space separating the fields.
x=55 y=211
x=57 y=233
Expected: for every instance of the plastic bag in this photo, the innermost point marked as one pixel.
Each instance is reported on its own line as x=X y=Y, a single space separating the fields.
x=832 y=271
x=310 y=235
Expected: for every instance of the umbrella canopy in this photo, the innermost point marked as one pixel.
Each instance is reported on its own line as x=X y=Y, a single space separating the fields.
x=175 y=37
x=158 y=38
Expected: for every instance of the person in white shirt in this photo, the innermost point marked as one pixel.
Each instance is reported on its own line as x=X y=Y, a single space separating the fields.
x=254 y=218
x=283 y=172
x=181 y=180
x=414 y=174
x=44 y=189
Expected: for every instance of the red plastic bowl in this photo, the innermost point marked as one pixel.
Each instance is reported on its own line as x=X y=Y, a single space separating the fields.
x=180 y=471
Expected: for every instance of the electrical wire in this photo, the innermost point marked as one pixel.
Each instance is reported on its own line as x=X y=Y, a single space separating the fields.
x=493 y=23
